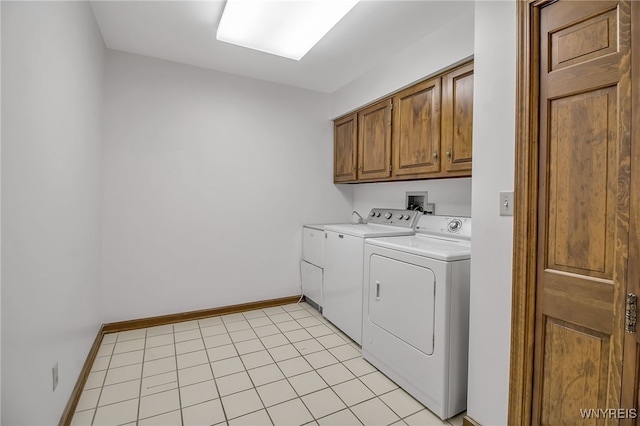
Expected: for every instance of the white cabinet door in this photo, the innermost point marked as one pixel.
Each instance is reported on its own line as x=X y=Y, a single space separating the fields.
x=312 y=246
x=342 y=287
x=312 y=282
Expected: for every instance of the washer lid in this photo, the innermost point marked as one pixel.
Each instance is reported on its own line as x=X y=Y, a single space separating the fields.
x=369 y=230
x=426 y=246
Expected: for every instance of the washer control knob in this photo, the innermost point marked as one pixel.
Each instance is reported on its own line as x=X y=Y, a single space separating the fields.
x=387 y=215
x=455 y=225
x=406 y=217
x=377 y=214
x=399 y=217
x=372 y=214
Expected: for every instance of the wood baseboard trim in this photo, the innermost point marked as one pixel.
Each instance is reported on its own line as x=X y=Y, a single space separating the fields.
x=70 y=408
x=114 y=327
x=468 y=421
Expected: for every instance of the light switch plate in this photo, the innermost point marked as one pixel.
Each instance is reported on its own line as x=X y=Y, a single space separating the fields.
x=506 y=203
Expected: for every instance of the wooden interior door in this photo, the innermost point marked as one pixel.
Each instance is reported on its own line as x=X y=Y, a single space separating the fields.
x=374 y=141
x=345 y=136
x=583 y=209
x=416 y=130
x=457 y=119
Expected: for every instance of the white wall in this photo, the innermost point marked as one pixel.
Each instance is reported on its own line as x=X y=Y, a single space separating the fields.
x=52 y=58
x=493 y=161
x=208 y=178
x=449 y=44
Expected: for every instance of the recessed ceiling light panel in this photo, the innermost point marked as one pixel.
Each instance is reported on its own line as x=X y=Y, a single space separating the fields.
x=288 y=28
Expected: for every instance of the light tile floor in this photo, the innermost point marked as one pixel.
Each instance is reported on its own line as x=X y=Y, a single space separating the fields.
x=283 y=365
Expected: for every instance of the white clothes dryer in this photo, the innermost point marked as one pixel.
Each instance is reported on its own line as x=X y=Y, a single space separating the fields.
x=416 y=311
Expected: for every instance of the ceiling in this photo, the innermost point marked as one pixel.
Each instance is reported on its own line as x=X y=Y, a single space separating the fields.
x=185 y=31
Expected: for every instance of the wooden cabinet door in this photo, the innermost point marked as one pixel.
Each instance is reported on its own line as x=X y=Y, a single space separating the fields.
x=416 y=130
x=583 y=209
x=374 y=141
x=457 y=119
x=345 y=137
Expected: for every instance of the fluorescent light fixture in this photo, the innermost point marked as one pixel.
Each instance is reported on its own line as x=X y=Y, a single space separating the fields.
x=288 y=28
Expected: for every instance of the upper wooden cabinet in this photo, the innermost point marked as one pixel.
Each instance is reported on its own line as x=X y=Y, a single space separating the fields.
x=424 y=131
x=416 y=130
x=457 y=119
x=374 y=141
x=345 y=137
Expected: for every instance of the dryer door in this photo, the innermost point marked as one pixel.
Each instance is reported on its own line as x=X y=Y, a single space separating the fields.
x=402 y=301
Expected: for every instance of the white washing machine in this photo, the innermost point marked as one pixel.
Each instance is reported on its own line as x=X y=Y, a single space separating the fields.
x=342 y=292
x=416 y=311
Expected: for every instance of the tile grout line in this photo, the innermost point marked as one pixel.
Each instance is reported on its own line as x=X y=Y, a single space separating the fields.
x=144 y=348
x=175 y=350
x=93 y=418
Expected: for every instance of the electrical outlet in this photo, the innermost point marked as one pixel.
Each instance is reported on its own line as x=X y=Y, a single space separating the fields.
x=506 y=203
x=54 y=374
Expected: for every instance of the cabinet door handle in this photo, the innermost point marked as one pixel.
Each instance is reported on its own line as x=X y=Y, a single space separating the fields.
x=340 y=236
x=435 y=155
x=377 y=290
x=449 y=154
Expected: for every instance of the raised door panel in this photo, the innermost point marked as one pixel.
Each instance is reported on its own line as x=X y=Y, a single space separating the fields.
x=416 y=130
x=457 y=119
x=374 y=141
x=344 y=151
x=583 y=212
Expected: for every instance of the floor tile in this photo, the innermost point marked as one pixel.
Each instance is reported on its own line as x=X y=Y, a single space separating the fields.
x=160 y=330
x=280 y=318
x=424 y=418
x=256 y=359
x=222 y=352
x=197 y=393
x=82 y=418
x=227 y=366
x=320 y=330
x=359 y=366
x=185 y=325
x=167 y=419
x=207 y=413
x=307 y=383
x=101 y=363
x=331 y=340
x=151 y=354
x=214 y=330
x=160 y=340
x=293 y=307
x=127 y=358
x=276 y=392
x=374 y=412
x=401 y=402
x=294 y=366
x=274 y=310
x=321 y=359
x=128 y=346
x=192 y=358
x=353 y=392
x=159 y=403
x=158 y=366
x=309 y=321
x=189 y=346
x=229 y=318
x=289 y=326
x=249 y=346
x=105 y=349
x=345 y=352
x=341 y=418
x=260 y=322
x=336 y=373
x=290 y=413
x=119 y=392
x=308 y=346
x=300 y=314
x=234 y=383
x=267 y=374
x=280 y=353
x=117 y=414
x=297 y=335
x=124 y=336
x=159 y=383
x=254 y=314
x=217 y=340
x=399 y=423
x=109 y=338
x=208 y=322
x=237 y=326
x=378 y=383
x=267 y=330
x=323 y=403
x=191 y=375
x=183 y=336
x=123 y=374
x=88 y=399
x=457 y=420
x=274 y=340
x=242 y=335
x=95 y=380
x=241 y=403
x=259 y=418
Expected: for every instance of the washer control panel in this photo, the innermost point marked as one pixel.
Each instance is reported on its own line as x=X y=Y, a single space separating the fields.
x=459 y=227
x=395 y=217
